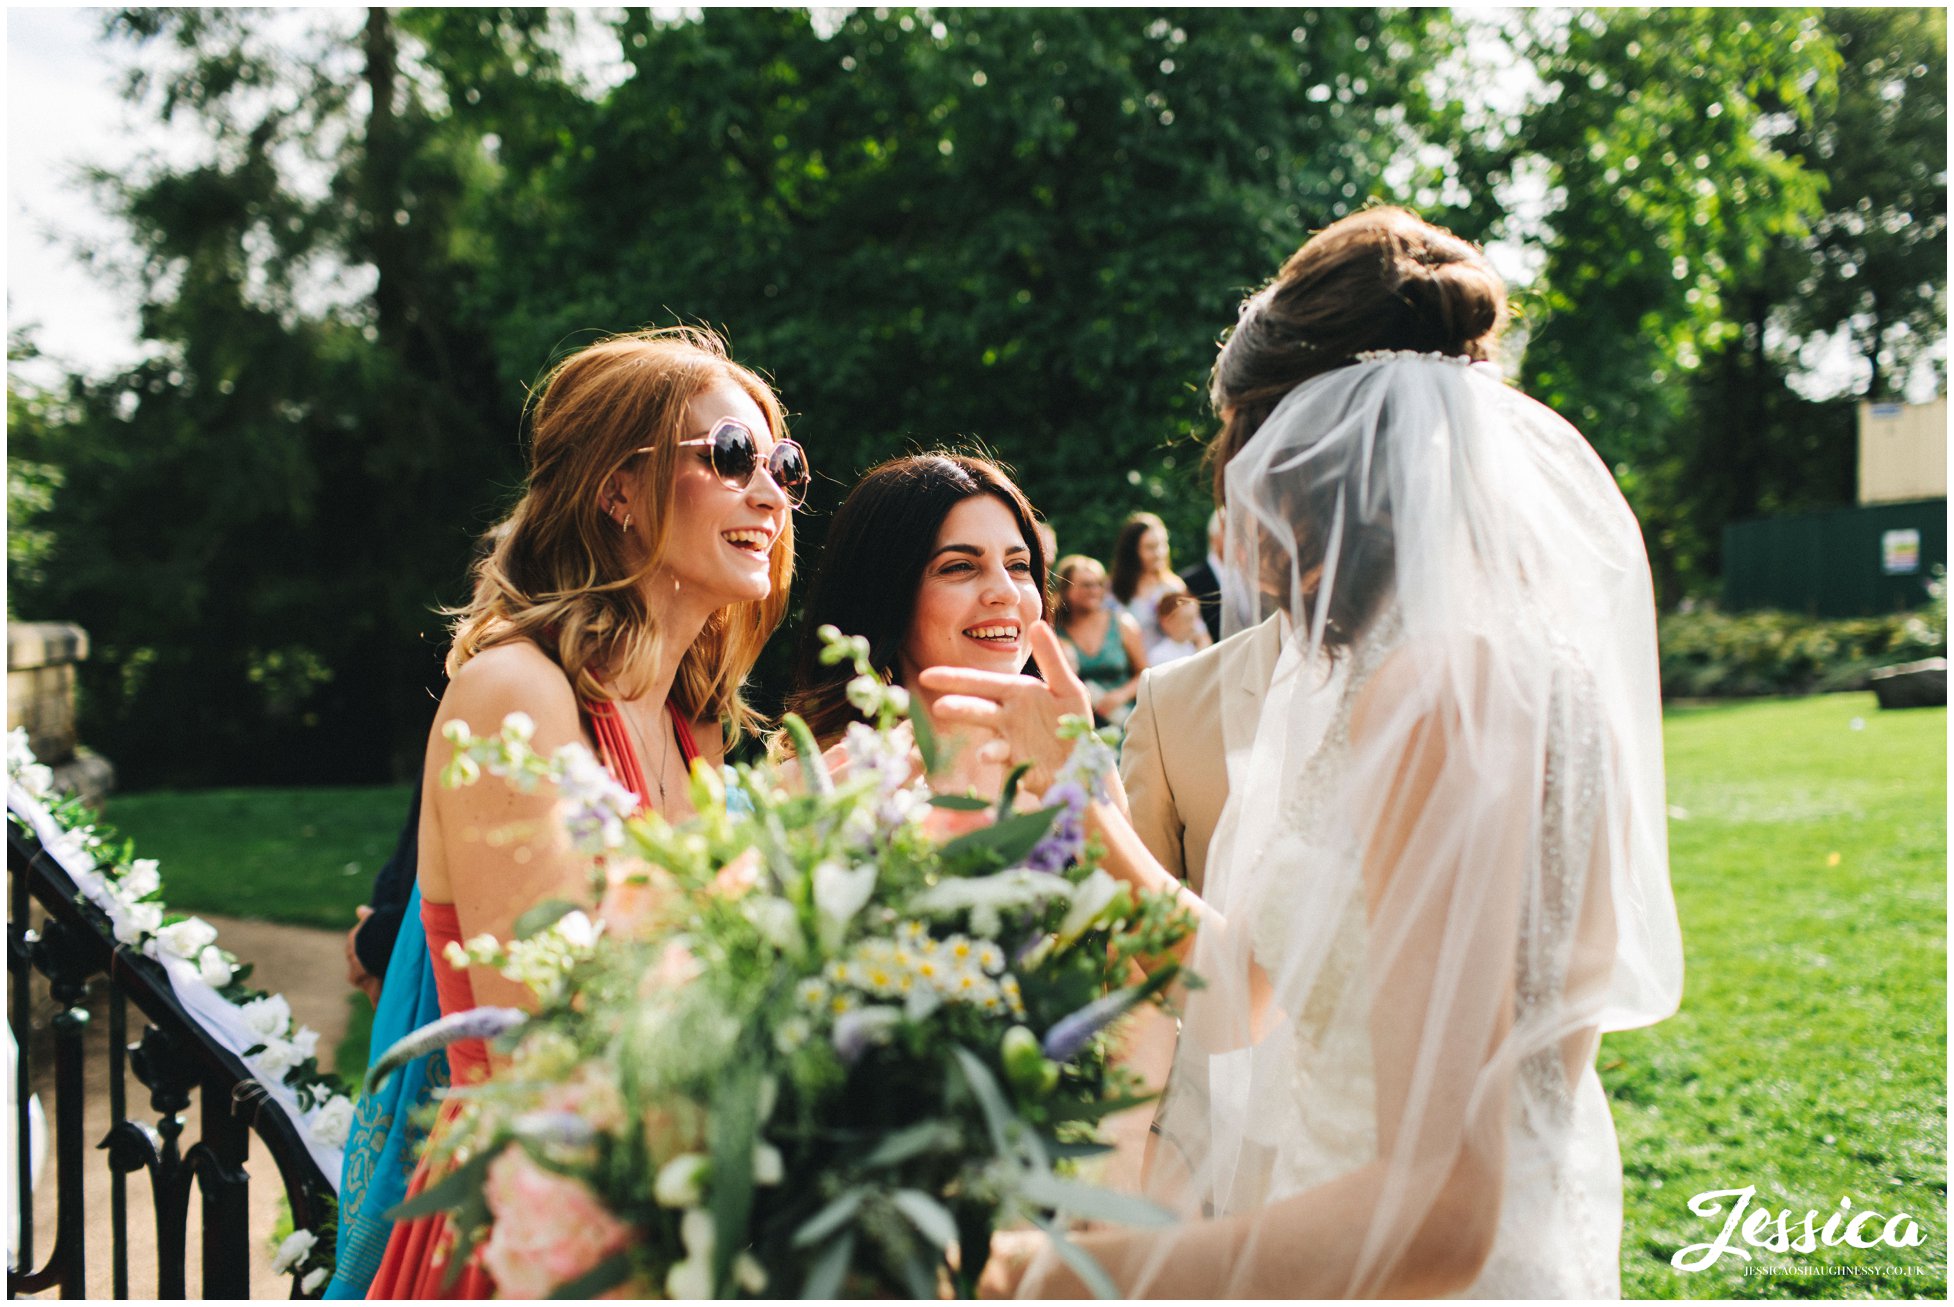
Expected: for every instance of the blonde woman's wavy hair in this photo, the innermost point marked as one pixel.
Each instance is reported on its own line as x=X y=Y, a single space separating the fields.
x=561 y=574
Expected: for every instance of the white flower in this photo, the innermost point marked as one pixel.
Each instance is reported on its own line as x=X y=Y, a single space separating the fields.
x=215 y=969
x=689 y=1281
x=457 y=732
x=315 y=1277
x=768 y=1169
x=277 y=1058
x=187 y=938
x=776 y=921
x=519 y=727
x=296 y=1248
x=1089 y=898
x=985 y=897
x=306 y=1041
x=141 y=880
x=270 y=1016
x=839 y=893
x=749 y=1274
x=333 y=1121
x=576 y=928
x=135 y=922
x=681 y=1181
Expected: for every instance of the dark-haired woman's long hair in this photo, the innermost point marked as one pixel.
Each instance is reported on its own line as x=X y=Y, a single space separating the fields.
x=872 y=565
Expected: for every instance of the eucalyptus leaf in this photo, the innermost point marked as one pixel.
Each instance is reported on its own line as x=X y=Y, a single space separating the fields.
x=541 y=917
x=830 y=1270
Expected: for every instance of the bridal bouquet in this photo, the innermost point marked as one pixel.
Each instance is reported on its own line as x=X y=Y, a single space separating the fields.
x=820 y=1040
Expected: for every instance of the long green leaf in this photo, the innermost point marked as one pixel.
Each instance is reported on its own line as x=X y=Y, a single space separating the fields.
x=449 y=1192
x=1083 y=1264
x=829 y=1219
x=541 y=917
x=911 y=1141
x=1091 y=1202
x=814 y=768
x=931 y=1218
x=926 y=741
x=731 y=1135
x=1009 y=796
x=998 y=1116
x=599 y=1279
x=958 y=803
x=830 y=1269
x=1105 y=1107
x=1009 y=838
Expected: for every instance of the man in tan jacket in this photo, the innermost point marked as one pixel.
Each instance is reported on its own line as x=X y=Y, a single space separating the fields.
x=1175 y=761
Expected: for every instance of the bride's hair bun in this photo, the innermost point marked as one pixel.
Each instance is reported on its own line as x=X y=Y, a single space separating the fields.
x=1383 y=279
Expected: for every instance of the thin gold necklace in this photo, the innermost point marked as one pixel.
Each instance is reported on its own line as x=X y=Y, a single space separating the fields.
x=664 y=754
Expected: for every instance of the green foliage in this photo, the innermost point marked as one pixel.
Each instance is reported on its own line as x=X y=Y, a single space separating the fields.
x=1809 y=1059
x=1020 y=230
x=1709 y=653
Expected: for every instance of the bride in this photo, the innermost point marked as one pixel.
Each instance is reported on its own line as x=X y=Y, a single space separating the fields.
x=1442 y=872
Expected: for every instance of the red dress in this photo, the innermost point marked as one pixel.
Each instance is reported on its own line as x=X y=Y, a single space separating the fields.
x=415 y=1263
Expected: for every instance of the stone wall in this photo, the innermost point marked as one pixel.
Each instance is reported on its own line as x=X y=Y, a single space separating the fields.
x=41 y=658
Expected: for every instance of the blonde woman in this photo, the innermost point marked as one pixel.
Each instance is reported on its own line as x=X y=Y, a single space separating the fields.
x=639 y=576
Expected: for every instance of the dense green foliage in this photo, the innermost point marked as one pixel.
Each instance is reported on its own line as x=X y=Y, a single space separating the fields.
x=1808 y=848
x=1707 y=653
x=1018 y=229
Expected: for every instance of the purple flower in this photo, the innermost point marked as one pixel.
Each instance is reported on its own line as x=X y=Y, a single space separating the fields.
x=1069 y=1034
x=1067 y=838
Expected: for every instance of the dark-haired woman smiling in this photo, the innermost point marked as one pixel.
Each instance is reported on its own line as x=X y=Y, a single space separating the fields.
x=935 y=559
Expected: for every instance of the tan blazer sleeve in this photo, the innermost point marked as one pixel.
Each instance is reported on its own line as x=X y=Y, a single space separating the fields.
x=1150 y=799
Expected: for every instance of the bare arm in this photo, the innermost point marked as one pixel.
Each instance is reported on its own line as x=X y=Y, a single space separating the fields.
x=489 y=849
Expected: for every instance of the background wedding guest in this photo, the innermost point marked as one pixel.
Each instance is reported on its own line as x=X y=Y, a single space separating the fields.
x=1203 y=579
x=933 y=558
x=1181 y=632
x=1143 y=571
x=1102 y=641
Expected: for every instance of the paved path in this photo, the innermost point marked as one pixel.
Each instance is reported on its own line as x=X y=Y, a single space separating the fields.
x=308 y=967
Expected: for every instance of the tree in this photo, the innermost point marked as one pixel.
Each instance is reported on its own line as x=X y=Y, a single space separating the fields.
x=1662 y=134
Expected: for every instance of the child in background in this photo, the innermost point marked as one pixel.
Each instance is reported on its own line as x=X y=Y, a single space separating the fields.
x=1181 y=631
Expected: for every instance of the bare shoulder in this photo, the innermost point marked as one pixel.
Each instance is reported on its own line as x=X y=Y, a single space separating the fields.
x=513 y=677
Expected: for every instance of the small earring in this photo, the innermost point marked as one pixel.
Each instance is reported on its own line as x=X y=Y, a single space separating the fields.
x=625 y=525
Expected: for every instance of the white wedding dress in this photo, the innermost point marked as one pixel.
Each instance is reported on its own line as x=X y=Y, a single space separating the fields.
x=1442 y=871
x=1303 y=1099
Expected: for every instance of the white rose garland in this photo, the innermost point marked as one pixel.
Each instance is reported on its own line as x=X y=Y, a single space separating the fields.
x=129 y=894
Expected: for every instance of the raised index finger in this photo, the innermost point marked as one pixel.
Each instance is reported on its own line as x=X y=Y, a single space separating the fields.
x=969 y=680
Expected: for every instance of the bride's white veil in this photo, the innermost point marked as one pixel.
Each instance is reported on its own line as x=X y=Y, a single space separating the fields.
x=1445 y=871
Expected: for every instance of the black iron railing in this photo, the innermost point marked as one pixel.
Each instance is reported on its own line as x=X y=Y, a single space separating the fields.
x=177 y=1061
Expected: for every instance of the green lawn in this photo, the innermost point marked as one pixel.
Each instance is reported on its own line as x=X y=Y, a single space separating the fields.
x=1809 y=1058
x=304 y=857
